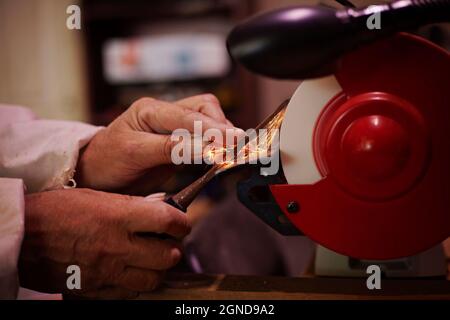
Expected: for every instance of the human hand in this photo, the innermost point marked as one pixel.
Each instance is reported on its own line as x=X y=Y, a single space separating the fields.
x=102 y=234
x=136 y=147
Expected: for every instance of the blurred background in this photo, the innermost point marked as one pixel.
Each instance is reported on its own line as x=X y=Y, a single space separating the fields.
x=166 y=49
x=125 y=50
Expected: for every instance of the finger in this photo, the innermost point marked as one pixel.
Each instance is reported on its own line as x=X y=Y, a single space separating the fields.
x=110 y=292
x=153 y=253
x=158 y=217
x=137 y=279
x=164 y=117
x=155 y=196
x=207 y=104
x=215 y=152
x=157 y=149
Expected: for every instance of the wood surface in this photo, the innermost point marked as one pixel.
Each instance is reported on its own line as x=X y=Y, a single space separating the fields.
x=226 y=287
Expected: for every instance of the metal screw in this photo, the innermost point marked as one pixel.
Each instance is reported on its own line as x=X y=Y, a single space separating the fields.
x=293 y=207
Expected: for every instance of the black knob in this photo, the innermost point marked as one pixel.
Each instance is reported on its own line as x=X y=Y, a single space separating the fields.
x=303 y=42
x=293 y=207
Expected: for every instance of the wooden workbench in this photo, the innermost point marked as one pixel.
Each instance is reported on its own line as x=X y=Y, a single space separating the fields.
x=204 y=287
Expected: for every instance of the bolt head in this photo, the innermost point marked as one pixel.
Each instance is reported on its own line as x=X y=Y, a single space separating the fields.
x=293 y=207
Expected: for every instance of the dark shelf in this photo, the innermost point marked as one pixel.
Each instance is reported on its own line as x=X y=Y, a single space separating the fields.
x=106 y=19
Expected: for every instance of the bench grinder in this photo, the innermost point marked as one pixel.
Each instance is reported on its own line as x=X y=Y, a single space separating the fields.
x=364 y=150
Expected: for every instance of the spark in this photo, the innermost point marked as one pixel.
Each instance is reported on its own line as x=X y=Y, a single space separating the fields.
x=261 y=144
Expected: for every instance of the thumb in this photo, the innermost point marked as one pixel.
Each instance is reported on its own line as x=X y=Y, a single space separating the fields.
x=158 y=149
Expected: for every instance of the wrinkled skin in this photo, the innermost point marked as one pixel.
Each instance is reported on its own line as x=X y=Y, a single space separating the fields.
x=103 y=232
x=134 y=151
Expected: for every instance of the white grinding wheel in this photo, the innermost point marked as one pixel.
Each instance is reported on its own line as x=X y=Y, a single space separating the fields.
x=297 y=130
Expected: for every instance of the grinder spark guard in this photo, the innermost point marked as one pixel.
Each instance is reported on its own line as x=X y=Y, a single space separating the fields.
x=364 y=144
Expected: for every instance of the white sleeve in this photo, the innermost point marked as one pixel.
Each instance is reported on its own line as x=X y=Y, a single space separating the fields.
x=11 y=233
x=35 y=155
x=43 y=153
